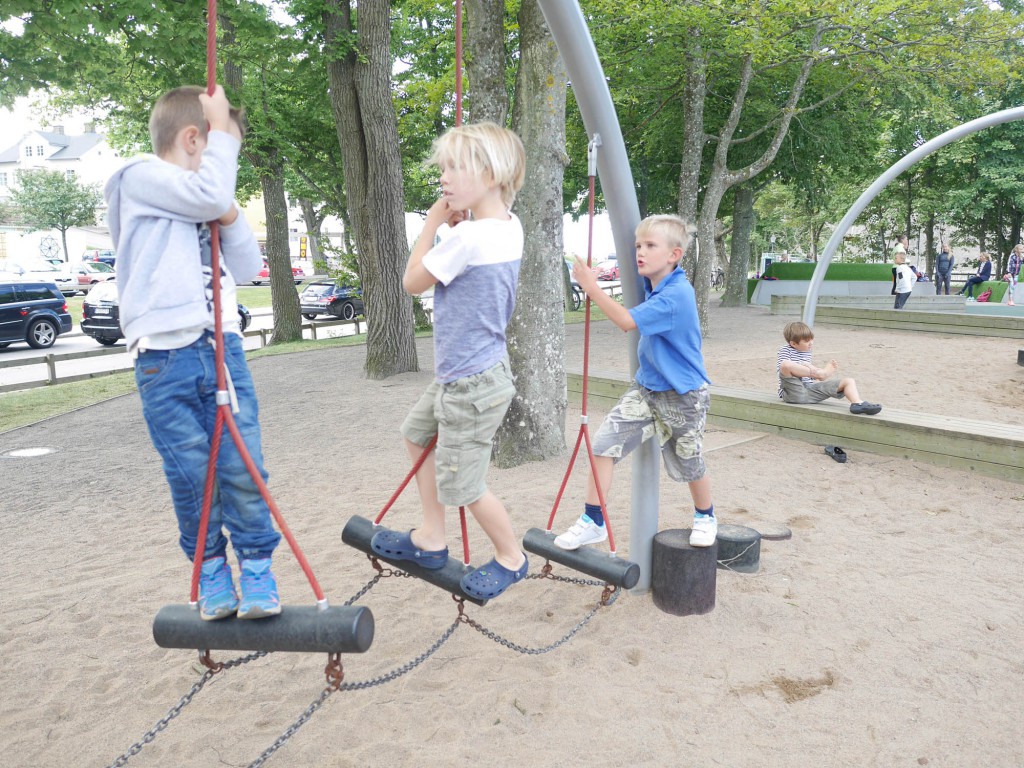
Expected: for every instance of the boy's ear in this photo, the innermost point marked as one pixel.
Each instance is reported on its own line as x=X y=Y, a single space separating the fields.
x=188 y=138
x=677 y=255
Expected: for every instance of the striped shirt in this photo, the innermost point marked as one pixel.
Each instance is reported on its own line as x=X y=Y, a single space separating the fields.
x=786 y=352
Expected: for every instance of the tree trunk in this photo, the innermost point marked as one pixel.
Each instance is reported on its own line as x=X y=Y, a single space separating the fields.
x=314 y=220
x=534 y=428
x=359 y=76
x=694 y=139
x=485 y=60
x=742 y=225
x=283 y=297
x=267 y=161
x=929 y=246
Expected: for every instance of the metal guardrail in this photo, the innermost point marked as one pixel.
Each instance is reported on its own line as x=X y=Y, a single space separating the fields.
x=50 y=360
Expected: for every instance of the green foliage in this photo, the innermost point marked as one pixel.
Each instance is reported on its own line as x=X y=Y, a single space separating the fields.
x=50 y=200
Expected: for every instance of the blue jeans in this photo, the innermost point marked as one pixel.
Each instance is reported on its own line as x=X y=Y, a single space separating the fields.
x=178 y=389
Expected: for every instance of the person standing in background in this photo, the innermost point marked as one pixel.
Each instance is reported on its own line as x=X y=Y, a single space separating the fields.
x=944 y=264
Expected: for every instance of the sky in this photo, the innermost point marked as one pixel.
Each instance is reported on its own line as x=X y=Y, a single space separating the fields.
x=26 y=117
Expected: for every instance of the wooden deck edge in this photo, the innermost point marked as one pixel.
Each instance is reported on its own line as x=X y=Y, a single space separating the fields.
x=989 y=448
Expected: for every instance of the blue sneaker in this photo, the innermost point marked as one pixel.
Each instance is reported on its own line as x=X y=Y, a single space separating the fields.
x=217 y=596
x=259 y=590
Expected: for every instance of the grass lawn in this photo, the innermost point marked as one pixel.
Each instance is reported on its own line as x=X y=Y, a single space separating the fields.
x=18 y=409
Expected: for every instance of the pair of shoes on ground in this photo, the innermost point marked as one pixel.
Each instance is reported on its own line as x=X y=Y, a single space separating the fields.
x=484 y=583
x=585 y=531
x=836 y=453
x=217 y=596
x=865 y=408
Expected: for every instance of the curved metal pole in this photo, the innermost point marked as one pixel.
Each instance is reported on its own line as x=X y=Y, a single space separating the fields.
x=572 y=36
x=930 y=146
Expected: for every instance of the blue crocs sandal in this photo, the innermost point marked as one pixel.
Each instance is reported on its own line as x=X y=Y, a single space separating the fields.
x=491 y=580
x=399 y=546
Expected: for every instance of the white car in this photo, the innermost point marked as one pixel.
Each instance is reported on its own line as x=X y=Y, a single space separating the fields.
x=40 y=269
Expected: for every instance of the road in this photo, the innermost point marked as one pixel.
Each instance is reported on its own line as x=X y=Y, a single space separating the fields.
x=79 y=342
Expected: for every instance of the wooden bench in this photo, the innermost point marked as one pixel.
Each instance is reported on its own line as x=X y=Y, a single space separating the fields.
x=948 y=441
x=933 y=322
x=794 y=305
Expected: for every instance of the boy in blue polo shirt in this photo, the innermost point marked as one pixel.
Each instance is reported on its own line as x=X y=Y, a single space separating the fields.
x=669 y=398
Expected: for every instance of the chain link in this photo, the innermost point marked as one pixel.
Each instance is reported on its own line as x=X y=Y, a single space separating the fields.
x=356 y=686
x=212 y=669
x=609 y=596
x=150 y=735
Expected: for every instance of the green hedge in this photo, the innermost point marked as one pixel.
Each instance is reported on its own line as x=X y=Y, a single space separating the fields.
x=998 y=287
x=804 y=271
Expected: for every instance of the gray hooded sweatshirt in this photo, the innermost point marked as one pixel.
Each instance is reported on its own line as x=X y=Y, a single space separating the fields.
x=155 y=208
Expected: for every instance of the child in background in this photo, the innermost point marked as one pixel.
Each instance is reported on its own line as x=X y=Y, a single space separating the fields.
x=670 y=397
x=474 y=271
x=158 y=209
x=801 y=382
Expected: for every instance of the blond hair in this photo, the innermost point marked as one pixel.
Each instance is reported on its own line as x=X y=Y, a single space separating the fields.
x=797 y=332
x=180 y=108
x=487 y=151
x=675 y=231
x=899 y=258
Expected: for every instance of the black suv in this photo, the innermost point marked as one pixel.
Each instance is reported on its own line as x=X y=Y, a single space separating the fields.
x=325 y=297
x=101 y=318
x=32 y=311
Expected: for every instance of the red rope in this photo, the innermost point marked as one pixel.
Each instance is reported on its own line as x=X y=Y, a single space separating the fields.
x=224 y=415
x=584 y=433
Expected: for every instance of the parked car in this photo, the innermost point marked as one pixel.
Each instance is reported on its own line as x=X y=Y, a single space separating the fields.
x=32 y=311
x=298 y=275
x=42 y=270
x=100 y=255
x=89 y=273
x=607 y=270
x=326 y=297
x=101 y=316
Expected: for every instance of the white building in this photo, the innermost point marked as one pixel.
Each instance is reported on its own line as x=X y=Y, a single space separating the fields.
x=86 y=157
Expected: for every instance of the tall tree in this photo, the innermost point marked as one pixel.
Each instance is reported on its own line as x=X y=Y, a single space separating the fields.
x=534 y=427
x=357 y=54
x=50 y=200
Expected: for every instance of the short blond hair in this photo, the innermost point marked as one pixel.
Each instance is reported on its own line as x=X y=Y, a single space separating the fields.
x=486 y=150
x=899 y=258
x=797 y=331
x=180 y=108
x=675 y=231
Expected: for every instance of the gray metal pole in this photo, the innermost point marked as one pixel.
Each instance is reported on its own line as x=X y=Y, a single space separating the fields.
x=930 y=146
x=571 y=35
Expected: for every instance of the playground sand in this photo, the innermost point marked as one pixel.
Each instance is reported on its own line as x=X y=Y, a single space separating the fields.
x=886 y=632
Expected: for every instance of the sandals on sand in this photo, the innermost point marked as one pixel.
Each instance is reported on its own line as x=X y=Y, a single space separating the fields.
x=399 y=546
x=836 y=453
x=492 y=579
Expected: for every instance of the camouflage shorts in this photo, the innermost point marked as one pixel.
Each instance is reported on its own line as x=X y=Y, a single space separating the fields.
x=677 y=421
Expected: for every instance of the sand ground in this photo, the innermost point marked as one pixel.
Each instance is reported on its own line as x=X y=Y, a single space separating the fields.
x=886 y=632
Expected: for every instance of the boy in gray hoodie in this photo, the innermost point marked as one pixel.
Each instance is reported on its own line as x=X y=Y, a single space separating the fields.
x=158 y=213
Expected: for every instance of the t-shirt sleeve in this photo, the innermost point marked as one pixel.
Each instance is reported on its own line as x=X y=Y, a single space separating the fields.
x=653 y=316
x=449 y=258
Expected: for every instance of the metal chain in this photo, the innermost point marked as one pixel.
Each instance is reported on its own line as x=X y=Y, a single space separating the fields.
x=362 y=685
x=214 y=668
x=609 y=596
x=150 y=735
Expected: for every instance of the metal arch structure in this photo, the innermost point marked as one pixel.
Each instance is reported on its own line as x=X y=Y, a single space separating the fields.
x=572 y=36
x=929 y=147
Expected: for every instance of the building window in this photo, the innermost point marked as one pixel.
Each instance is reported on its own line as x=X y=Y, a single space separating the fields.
x=39 y=150
x=3 y=179
x=69 y=175
x=28 y=151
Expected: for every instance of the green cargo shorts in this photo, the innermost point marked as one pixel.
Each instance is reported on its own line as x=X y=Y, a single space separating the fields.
x=676 y=420
x=464 y=414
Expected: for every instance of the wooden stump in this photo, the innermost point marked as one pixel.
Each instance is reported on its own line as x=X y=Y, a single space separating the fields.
x=682 y=577
x=1020 y=357
x=739 y=548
